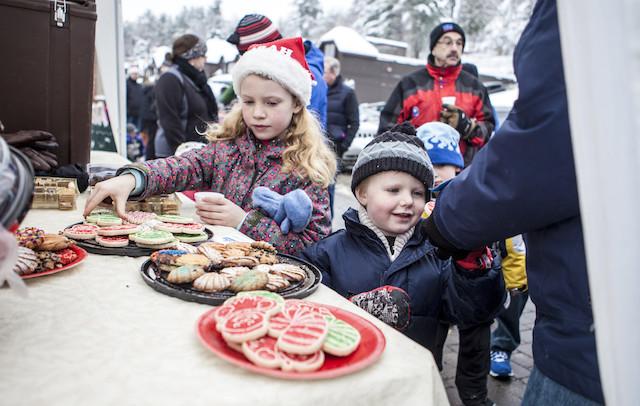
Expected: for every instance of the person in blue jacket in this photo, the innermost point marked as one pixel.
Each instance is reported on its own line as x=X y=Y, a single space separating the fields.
x=524 y=181
x=258 y=29
x=382 y=246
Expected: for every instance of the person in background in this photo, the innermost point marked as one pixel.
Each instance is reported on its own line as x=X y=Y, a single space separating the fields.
x=383 y=255
x=524 y=181
x=442 y=144
x=269 y=139
x=185 y=104
x=148 y=120
x=442 y=91
x=343 y=117
x=506 y=337
x=257 y=29
x=135 y=144
x=134 y=97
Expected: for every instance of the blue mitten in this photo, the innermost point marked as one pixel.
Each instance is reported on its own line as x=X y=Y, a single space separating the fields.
x=270 y=202
x=298 y=208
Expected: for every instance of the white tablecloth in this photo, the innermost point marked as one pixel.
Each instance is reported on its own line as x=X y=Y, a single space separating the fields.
x=98 y=335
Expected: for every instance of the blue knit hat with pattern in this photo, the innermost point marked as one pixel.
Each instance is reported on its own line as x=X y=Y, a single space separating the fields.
x=441 y=142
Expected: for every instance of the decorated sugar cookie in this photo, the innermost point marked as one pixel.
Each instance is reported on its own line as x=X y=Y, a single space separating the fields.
x=244 y=326
x=169 y=227
x=300 y=363
x=262 y=352
x=170 y=244
x=305 y=335
x=140 y=217
x=172 y=218
x=103 y=219
x=192 y=237
x=121 y=229
x=81 y=231
x=342 y=339
x=264 y=293
x=115 y=241
x=245 y=303
x=193 y=228
x=152 y=237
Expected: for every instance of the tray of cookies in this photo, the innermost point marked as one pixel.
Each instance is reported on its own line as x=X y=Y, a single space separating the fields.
x=139 y=235
x=291 y=339
x=213 y=272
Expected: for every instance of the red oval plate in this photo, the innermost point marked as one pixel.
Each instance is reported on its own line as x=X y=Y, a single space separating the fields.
x=372 y=344
x=82 y=255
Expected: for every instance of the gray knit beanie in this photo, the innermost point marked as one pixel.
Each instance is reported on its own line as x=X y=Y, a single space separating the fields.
x=395 y=150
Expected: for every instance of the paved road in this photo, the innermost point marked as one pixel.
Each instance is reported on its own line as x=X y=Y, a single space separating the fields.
x=505 y=393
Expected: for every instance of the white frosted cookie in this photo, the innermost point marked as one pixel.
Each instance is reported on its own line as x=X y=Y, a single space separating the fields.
x=244 y=326
x=262 y=351
x=300 y=363
x=115 y=241
x=170 y=244
x=140 y=217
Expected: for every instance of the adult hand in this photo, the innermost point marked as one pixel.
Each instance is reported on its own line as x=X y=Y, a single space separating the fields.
x=220 y=211
x=27 y=137
x=118 y=189
x=458 y=119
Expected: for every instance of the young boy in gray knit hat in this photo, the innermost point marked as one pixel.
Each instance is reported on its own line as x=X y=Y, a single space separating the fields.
x=383 y=262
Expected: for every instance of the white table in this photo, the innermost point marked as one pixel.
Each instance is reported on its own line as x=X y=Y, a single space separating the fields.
x=98 y=335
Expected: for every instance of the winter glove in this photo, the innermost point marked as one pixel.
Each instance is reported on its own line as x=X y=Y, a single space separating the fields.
x=27 y=138
x=477 y=260
x=292 y=211
x=458 y=119
x=42 y=161
x=388 y=303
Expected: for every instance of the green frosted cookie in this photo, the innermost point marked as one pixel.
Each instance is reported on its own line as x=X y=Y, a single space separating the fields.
x=342 y=339
x=172 y=218
x=264 y=293
x=104 y=219
x=192 y=237
x=152 y=237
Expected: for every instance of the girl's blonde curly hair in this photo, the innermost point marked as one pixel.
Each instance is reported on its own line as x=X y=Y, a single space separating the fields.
x=306 y=152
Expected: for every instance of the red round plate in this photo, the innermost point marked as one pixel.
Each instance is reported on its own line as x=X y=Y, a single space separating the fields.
x=82 y=255
x=372 y=344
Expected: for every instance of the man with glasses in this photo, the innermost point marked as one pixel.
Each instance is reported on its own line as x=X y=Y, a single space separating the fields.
x=442 y=91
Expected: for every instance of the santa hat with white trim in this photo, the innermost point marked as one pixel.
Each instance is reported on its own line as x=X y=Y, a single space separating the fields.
x=282 y=61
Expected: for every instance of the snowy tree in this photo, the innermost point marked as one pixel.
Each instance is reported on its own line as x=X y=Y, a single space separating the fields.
x=502 y=32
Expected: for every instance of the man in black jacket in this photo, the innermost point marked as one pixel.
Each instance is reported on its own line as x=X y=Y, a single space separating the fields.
x=343 y=118
x=134 y=97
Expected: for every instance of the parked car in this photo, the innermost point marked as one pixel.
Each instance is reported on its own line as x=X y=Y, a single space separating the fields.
x=502 y=100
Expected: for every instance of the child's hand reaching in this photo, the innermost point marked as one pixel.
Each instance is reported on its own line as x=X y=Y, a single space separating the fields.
x=118 y=189
x=219 y=211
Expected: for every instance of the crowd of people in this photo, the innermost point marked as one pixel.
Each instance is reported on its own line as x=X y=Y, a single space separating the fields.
x=446 y=198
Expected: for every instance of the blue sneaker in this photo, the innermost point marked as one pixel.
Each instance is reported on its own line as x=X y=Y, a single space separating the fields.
x=500 y=365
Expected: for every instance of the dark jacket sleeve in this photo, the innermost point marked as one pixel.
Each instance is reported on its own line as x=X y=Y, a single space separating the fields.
x=169 y=99
x=524 y=178
x=391 y=111
x=316 y=255
x=472 y=297
x=485 y=120
x=352 y=114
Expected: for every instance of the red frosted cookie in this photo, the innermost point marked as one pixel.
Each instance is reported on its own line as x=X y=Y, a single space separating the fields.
x=244 y=326
x=305 y=334
x=262 y=352
x=122 y=229
x=67 y=256
x=301 y=363
x=115 y=241
x=245 y=303
x=81 y=231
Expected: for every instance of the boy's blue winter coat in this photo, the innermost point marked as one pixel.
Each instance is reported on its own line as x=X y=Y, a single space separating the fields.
x=354 y=261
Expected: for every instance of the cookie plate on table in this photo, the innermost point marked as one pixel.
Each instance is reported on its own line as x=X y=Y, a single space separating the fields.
x=82 y=255
x=372 y=344
x=131 y=250
x=157 y=280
